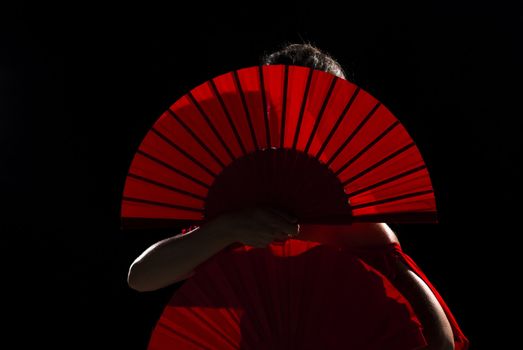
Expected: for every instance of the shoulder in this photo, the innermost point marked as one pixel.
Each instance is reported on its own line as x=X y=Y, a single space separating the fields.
x=369 y=234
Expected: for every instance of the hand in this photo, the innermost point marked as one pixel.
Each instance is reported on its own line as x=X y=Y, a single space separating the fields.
x=258 y=226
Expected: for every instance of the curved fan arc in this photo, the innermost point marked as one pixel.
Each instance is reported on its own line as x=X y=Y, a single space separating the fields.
x=287 y=131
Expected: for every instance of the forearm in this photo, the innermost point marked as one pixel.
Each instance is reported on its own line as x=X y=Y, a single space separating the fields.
x=353 y=235
x=172 y=259
x=436 y=327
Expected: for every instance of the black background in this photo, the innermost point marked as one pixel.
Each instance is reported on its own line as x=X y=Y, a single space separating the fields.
x=81 y=85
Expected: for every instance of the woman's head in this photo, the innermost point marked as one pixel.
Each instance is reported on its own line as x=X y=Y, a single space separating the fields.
x=305 y=55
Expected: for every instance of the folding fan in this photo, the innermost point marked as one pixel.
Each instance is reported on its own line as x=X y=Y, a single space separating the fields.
x=295 y=138
x=282 y=298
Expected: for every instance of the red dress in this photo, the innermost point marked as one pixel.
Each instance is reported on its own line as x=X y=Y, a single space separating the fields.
x=382 y=258
x=294 y=295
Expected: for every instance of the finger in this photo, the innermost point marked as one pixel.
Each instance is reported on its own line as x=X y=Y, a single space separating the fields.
x=292 y=230
x=269 y=214
x=280 y=234
x=268 y=221
x=282 y=228
x=290 y=234
x=275 y=220
x=297 y=232
x=290 y=218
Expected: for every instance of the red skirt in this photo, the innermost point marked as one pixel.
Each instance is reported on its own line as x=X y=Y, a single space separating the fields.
x=294 y=295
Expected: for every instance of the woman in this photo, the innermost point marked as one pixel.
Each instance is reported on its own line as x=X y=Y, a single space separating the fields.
x=174 y=259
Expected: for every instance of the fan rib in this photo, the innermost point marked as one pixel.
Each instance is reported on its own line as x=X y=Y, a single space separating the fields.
x=264 y=104
x=379 y=163
x=216 y=330
x=217 y=284
x=162 y=204
x=320 y=114
x=354 y=133
x=400 y=217
x=189 y=339
x=392 y=199
x=366 y=148
x=338 y=122
x=200 y=142
x=182 y=151
x=299 y=310
x=284 y=105
x=388 y=180
x=240 y=291
x=168 y=187
x=211 y=125
x=266 y=321
x=304 y=100
x=353 y=151
x=246 y=109
x=228 y=115
x=170 y=167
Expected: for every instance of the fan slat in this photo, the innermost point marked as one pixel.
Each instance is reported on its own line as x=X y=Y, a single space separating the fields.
x=391 y=199
x=186 y=154
x=211 y=125
x=274 y=90
x=159 y=184
x=161 y=204
x=338 y=121
x=196 y=137
x=367 y=148
x=353 y=134
x=221 y=316
x=201 y=129
x=320 y=114
x=136 y=209
x=372 y=130
x=284 y=107
x=246 y=110
x=138 y=189
x=298 y=79
x=179 y=338
x=251 y=84
x=302 y=140
x=147 y=168
x=172 y=168
x=264 y=107
x=229 y=94
x=206 y=99
x=302 y=108
x=379 y=163
x=387 y=180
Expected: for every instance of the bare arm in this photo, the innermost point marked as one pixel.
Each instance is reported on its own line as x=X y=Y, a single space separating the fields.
x=354 y=235
x=437 y=329
x=174 y=259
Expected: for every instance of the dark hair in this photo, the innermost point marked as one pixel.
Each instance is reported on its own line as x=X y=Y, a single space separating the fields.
x=305 y=55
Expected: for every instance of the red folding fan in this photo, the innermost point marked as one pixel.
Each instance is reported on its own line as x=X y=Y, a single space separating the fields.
x=283 y=298
x=295 y=138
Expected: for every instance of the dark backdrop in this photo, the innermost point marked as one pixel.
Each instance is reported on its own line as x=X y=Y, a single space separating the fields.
x=81 y=85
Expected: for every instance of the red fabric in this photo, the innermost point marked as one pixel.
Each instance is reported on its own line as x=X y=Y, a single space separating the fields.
x=291 y=295
x=381 y=258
